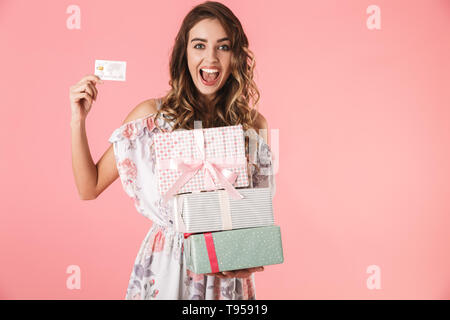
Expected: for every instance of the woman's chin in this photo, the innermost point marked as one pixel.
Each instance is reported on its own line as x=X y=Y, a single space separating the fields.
x=207 y=92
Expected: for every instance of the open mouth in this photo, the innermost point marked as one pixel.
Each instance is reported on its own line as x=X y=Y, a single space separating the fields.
x=209 y=78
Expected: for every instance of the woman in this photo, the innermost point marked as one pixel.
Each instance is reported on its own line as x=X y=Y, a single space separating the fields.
x=211 y=40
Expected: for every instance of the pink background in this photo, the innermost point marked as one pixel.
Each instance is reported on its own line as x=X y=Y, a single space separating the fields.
x=363 y=118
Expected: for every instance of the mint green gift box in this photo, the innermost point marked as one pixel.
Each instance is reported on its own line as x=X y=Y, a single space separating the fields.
x=235 y=249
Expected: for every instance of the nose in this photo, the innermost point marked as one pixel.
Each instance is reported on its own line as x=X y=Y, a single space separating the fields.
x=211 y=54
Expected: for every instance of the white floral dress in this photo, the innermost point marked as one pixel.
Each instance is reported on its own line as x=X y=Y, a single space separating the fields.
x=159 y=270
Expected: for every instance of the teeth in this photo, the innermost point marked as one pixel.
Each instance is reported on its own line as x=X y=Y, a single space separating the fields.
x=210 y=70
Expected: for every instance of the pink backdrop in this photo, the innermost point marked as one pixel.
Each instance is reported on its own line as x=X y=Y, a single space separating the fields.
x=363 y=119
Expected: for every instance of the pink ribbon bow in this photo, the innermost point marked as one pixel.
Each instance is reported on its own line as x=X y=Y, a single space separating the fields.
x=213 y=169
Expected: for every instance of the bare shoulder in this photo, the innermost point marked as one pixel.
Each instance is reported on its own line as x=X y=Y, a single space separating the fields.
x=142 y=110
x=260 y=121
x=261 y=126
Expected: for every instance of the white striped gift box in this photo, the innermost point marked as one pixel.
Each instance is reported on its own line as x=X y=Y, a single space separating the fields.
x=216 y=210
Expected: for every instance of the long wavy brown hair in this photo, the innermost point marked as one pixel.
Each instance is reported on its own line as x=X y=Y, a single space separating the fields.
x=236 y=102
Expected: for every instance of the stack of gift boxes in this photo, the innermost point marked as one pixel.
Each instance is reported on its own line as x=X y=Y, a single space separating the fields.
x=226 y=224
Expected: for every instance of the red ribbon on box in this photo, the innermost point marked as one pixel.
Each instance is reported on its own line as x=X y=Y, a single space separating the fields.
x=211 y=252
x=211 y=249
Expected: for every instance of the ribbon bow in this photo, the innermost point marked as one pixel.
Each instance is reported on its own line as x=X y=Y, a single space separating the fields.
x=213 y=169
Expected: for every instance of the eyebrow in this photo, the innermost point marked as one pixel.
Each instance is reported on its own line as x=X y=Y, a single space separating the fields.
x=204 y=40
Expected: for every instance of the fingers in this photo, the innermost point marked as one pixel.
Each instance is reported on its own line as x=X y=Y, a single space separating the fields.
x=77 y=97
x=87 y=97
x=86 y=84
x=221 y=275
x=218 y=275
x=256 y=269
x=236 y=274
x=248 y=272
x=86 y=87
x=94 y=90
x=92 y=77
x=243 y=273
x=228 y=274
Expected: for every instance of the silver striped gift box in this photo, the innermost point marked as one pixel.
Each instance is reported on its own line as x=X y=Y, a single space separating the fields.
x=215 y=210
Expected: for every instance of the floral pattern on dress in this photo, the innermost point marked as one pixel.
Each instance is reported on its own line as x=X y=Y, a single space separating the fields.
x=201 y=287
x=128 y=173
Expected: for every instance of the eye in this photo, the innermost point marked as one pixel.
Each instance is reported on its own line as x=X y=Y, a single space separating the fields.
x=200 y=44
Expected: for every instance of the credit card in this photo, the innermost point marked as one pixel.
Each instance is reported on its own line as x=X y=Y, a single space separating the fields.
x=110 y=70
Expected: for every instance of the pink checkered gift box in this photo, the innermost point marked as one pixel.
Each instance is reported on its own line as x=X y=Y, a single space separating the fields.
x=201 y=160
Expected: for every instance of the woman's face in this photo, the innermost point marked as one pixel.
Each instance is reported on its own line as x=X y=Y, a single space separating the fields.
x=208 y=48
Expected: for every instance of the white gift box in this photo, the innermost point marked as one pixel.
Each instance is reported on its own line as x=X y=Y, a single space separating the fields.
x=216 y=210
